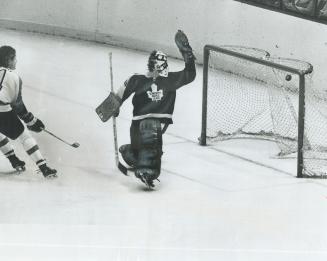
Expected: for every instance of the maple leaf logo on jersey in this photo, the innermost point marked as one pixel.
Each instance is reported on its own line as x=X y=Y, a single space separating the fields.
x=154 y=94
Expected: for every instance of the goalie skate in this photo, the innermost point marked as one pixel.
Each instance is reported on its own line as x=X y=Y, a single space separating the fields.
x=145 y=176
x=131 y=172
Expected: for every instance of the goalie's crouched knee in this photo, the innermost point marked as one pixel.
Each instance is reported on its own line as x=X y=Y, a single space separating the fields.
x=128 y=154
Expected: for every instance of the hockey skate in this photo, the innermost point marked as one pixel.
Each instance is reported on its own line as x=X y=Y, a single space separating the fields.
x=16 y=163
x=48 y=172
x=146 y=176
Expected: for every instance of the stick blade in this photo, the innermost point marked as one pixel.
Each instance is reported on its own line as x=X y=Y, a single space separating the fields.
x=75 y=145
x=122 y=168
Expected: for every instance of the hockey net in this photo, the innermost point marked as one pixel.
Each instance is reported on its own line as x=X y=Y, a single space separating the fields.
x=249 y=94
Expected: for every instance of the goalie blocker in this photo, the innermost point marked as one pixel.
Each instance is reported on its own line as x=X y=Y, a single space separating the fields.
x=109 y=107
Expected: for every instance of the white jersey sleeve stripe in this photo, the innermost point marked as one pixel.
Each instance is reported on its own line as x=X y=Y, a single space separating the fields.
x=153 y=115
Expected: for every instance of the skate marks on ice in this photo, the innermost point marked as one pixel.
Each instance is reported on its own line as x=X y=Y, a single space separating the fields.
x=234 y=155
x=7 y=173
x=210 y=172
x=221 y=189
x=211 y=186
x=103 y=178
x=228 y=174
x=25 y=176
x=60 y=97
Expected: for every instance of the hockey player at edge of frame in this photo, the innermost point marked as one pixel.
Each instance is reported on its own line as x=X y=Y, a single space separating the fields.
x=12 y=111
x=153 y=102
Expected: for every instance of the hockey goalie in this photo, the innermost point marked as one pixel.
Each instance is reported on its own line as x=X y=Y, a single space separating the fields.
x=153 y=100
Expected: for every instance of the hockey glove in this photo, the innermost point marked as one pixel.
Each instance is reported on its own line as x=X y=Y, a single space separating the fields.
x=109 y=107
x=184 y=46
x=33 y=123
x=116 y=114
x=38 y=126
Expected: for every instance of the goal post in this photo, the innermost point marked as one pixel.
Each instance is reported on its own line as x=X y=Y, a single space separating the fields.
x=249 y=94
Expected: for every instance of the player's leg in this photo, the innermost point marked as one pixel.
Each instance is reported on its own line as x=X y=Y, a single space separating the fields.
x=10 y=127
x=150 y=151
x=32 y=149
x=9 y=152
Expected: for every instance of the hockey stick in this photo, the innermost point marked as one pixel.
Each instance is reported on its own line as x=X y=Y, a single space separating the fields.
x=123 y=169
x=74 y=145
x=114 y=125
x=120 y=166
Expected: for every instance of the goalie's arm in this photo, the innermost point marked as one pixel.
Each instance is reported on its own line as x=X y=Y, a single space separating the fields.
x=181 y=78
x=127 y=89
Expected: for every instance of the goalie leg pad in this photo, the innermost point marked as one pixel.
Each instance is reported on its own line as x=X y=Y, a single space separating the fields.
x=150 y=147
x=109 y=107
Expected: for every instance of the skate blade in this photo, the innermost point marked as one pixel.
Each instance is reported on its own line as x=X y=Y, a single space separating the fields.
x=51 y=176
x=149 y=186
x=19 y=170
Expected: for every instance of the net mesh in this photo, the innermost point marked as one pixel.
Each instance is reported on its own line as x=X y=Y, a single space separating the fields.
x=246 y=99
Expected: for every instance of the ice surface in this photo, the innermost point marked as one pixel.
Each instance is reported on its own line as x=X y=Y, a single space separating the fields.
x=233 y=201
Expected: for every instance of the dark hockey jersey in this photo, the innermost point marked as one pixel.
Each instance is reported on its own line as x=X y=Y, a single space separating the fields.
x=155 y=98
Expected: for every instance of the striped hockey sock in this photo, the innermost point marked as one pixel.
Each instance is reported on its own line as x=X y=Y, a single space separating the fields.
x=31 y=148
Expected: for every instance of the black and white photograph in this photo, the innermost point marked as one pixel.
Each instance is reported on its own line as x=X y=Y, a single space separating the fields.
x=134 y=130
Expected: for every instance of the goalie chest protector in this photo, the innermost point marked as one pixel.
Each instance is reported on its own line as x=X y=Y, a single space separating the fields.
x=155 y=98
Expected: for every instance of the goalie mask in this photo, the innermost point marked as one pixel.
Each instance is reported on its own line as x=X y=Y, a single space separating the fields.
x=158 y=63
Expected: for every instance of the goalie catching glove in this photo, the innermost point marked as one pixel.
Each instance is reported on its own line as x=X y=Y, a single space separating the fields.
x=184 y=46
x=109 y=107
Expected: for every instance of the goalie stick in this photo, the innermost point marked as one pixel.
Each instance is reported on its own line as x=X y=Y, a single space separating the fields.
x=114 y=127
x=123 y=169
x=119 y=165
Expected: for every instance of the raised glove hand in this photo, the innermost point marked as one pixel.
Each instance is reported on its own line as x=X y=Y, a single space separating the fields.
x=184 y=46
